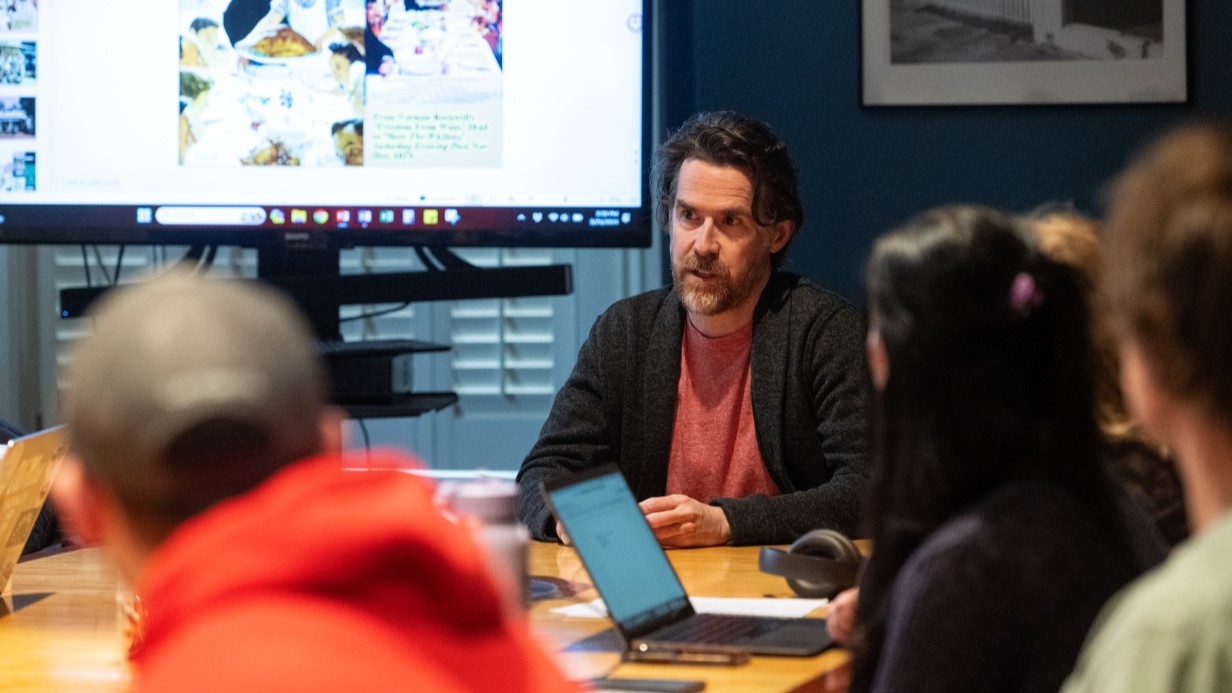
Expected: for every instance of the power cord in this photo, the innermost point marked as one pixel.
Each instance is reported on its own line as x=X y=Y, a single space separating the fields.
x=375 y=313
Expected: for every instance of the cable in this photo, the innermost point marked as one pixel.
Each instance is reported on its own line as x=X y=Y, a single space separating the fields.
x=375 y=313
x=193 y=253
x=207 y=260
x=85 y=264
x=363 y=429
x=119 y=264
x=449 y=259
x=103 y=267
x=429 y=262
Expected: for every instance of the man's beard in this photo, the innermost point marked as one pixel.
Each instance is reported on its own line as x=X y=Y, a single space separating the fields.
x=721 y=294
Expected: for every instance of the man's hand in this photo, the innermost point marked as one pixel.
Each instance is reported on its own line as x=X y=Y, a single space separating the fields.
x=680 y=521
x=562 y=534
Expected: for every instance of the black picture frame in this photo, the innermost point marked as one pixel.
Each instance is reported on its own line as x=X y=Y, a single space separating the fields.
x=989 y=52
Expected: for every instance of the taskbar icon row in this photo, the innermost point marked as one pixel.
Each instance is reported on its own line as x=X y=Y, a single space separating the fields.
x=371 y=218
x=344 y=218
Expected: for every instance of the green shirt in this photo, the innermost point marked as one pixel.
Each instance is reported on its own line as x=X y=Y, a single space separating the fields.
x=1169 y=631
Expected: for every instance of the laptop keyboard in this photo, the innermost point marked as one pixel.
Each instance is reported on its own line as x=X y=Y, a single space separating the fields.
x=717 y=629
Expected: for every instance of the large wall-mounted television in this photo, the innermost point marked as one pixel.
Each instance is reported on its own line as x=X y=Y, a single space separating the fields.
x=326 y=122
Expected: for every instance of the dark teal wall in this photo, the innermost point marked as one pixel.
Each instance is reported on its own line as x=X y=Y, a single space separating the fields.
x=796 y=65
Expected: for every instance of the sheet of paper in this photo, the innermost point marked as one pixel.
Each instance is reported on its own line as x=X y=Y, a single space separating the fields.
x=736 y=606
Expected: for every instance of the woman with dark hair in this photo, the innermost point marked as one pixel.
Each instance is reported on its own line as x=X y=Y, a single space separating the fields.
x=997 y=536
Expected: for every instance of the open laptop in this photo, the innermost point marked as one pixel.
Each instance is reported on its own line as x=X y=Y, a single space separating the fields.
x=27 y=467
x=641 y=589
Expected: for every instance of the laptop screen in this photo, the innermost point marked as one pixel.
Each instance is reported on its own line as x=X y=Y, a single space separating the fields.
x=27 y=465
x=619 y=549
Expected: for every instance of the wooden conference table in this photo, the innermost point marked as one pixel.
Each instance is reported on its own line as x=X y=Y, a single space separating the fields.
x=59 y=624
x=714 y=572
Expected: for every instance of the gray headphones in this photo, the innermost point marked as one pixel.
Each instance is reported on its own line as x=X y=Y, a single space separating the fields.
x=818 y=565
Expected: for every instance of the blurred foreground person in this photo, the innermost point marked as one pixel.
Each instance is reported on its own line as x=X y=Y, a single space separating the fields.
x=988 y=495
x=1168 y=291
x=205 y=459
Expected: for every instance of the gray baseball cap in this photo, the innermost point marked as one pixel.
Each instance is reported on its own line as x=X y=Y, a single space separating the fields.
x=180 y=351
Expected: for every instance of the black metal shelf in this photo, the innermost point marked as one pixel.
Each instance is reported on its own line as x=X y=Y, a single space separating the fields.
x=413 y=404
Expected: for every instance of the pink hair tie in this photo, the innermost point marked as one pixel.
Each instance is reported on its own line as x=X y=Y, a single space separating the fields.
x=1025 y=294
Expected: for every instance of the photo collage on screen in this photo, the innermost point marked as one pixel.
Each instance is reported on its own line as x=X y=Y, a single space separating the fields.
x=325 y=83
x=18 y=79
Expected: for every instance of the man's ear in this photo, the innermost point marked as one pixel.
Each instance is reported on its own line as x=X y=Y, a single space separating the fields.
x=79 y=502
x=330 y=425
x=781 y=232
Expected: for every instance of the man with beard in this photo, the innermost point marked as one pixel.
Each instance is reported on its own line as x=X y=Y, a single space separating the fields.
x=735 y=401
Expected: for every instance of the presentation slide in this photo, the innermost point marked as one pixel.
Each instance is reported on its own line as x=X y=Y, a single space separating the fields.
x=466 y=103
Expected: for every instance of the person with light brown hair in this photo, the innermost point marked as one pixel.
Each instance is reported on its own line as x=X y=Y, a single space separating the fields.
x=1167 y=288
x=1142 y=469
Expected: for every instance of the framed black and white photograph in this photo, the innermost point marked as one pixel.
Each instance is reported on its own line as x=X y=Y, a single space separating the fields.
x=968 y=52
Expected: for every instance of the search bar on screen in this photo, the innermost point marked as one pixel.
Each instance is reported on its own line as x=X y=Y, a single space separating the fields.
x=210 y=216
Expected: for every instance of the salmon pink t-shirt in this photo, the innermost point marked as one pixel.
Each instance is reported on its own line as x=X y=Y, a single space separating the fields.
x=714 y=442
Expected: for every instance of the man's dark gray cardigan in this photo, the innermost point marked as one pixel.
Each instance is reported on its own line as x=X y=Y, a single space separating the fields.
x=810 y=409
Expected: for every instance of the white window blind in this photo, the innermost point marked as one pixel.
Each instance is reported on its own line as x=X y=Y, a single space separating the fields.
x=504 y=347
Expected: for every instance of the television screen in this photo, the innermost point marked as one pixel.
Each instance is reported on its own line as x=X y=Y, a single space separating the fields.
x=388 y=122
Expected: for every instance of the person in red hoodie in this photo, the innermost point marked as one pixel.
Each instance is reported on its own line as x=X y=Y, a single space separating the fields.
x=206 y=460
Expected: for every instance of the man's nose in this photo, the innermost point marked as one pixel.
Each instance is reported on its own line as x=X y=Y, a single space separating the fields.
x=707 y=240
